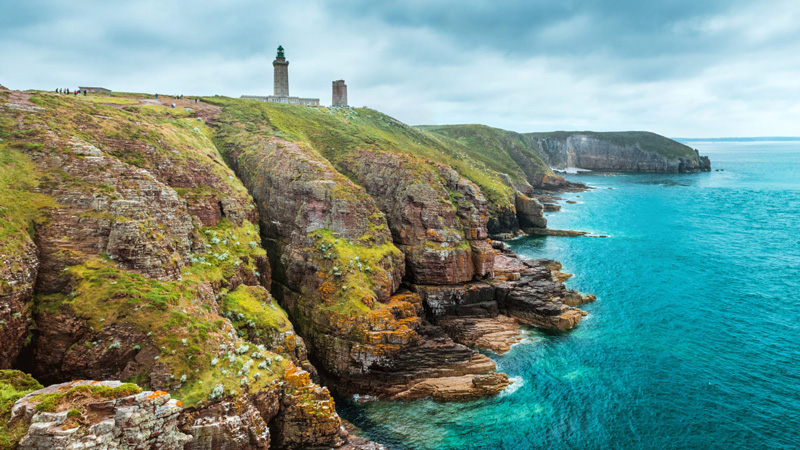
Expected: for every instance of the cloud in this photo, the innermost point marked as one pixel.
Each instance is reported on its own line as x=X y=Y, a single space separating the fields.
x=680 y=67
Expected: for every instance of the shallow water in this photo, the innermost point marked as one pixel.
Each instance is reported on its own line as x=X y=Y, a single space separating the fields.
x=694 y=342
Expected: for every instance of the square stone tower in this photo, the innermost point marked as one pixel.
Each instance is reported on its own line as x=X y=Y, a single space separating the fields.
x=281 y=80
x=339 y=93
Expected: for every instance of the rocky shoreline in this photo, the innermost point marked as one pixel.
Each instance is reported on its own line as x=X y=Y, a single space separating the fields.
x=240 y=272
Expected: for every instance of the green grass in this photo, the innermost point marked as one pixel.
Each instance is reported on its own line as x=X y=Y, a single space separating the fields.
x=97 y=98
x=13 y=386
x=53 y=402
x=501 y=150
x=251 y=308
x=176 y=317
x=20 y=208
x=336 y=133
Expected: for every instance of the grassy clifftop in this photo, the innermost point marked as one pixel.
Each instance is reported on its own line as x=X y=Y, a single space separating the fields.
x=336 y=132
x=496 y=147
x=504 y=151
x=72 y=178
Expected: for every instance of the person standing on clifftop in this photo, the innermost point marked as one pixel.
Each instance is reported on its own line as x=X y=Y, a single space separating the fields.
x=156 y=96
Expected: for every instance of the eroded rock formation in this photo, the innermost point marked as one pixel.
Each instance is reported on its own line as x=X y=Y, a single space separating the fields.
x=141 y=259
x=97 y=415
x=339 y=275
x=18 y=270
x=148 y=267
x=619 y=152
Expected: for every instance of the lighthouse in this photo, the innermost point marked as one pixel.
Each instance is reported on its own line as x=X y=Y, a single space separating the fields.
x=281 y=80
x=280 y=85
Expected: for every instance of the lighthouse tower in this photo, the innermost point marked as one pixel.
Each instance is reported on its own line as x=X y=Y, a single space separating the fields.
x=281 y=86
x=281 y=81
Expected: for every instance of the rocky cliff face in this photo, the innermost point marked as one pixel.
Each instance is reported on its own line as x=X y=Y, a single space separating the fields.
x=619 y=152
x=146 y=265
x=437 y=218
x=339 y=275
x=326 y=230
x=98 y=415
x=18 y=271
x=137 y=251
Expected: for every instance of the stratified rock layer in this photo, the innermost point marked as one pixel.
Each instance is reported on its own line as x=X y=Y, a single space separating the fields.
x=418 y=199
x=338 y=274
x=487 y=313
x=619 y=152
x=147 y=266
x=18 y=270
x=140 y=421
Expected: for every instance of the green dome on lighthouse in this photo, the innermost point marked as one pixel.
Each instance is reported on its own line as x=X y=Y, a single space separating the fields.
x=280 y=51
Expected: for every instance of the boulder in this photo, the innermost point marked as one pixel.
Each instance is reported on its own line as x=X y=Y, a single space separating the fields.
x=529 y=212
x=100 y=415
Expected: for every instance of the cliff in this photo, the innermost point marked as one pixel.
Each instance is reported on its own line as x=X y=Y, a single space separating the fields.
x=135 y=250
x=352 y=228
x=633 y=151
x=244 y=257
x=535 y=153
x=506 y=152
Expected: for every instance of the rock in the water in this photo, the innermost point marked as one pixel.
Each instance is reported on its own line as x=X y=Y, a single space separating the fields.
x=529 y=212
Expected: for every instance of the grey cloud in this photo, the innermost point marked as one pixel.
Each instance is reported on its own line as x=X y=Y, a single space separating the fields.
x=677 y=67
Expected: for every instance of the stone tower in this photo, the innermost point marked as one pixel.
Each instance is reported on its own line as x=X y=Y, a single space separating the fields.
x=281 y=81
x=339 y=93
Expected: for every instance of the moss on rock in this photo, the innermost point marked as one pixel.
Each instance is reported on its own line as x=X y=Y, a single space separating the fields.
x=13 y=386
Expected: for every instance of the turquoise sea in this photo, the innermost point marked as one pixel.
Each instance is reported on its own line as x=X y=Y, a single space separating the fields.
x=694 y=342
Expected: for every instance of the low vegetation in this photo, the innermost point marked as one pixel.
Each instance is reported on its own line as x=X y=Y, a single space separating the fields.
x=336 y=132
x=13 y=386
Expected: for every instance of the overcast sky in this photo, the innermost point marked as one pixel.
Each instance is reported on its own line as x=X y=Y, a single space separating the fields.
x=683 y=68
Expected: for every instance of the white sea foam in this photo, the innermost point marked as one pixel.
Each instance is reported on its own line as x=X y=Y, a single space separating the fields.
x=573 y=170
x=516 y=383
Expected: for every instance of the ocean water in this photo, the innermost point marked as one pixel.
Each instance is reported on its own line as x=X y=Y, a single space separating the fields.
x=694 y=342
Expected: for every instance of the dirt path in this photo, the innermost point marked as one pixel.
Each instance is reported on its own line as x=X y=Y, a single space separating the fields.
x=201 y=109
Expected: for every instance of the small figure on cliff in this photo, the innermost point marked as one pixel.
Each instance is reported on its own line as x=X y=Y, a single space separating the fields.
x=156 y=96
